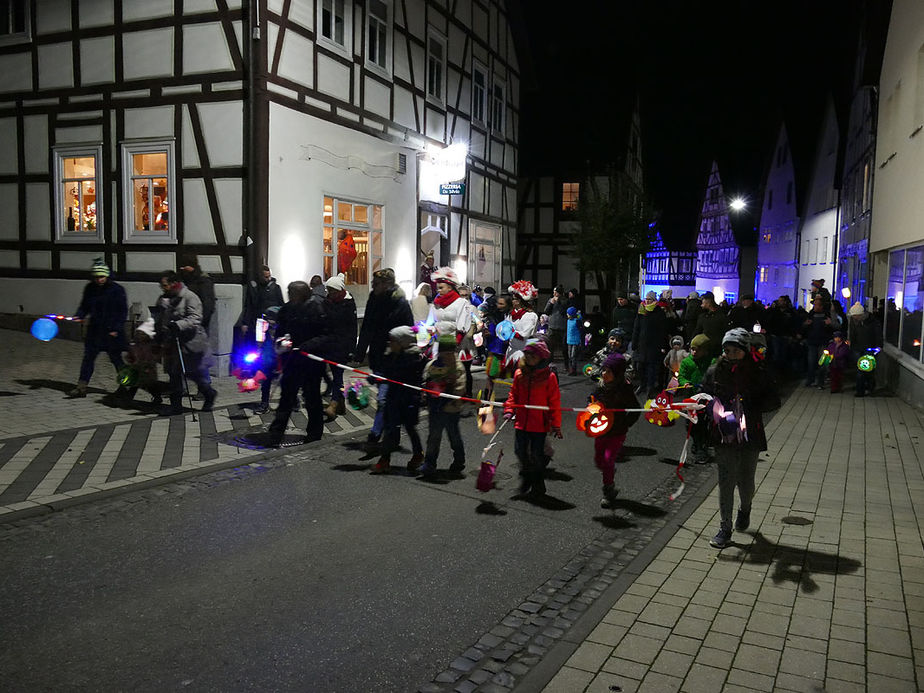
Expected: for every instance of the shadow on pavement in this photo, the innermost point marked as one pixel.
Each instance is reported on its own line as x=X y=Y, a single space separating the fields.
x=546 y=502
x=637 y=508
x=793 y=564
x=6 y=393
x=635 y=451
x=612 y=521
x=554 y=475
x=489 y=508
x=352 y=467
x=43 y=384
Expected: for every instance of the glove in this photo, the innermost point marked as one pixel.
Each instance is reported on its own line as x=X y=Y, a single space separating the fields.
x=556 y=431
x=283 y=344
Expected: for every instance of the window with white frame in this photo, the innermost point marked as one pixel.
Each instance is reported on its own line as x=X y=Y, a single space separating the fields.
x=498 y=105
x=352 y=242
x=78 y=179
x=334 y=22
x=378 y=25
x=479 y=92
x=436 y=66
x=148 y=191
x=14 y=20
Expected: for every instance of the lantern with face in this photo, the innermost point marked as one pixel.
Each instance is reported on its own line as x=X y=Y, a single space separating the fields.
x=659 y=410
x=866 y=363
x=594 y=420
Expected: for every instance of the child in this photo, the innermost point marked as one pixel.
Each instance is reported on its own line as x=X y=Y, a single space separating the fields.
x=403 y=363
x=689 y=379
x=614 y=345
x=143 y=355
x=534 y=383
x=543 y=328
x=494 y=311
x=840 y=355
x=268 y=360
x=675 y=357
x=444 y=374
x=614 y=392
x=573 y=338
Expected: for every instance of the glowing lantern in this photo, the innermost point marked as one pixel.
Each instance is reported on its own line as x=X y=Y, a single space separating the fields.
x=659 y=410
x=44 y=329
x=346 y=253
x=588 y=370
x=866 y=363
x=358 y=395
x=825 y=359
x=127 y=376
x=504 y=330
x=487 y=420
x=594 y=421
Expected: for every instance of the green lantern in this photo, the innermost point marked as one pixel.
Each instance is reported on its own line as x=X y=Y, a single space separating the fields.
x=866 y=363
x=825 y=359
x=127 y=376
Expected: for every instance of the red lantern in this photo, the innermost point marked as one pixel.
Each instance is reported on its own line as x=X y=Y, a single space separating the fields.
x=594 y=421
x=659 y=410
x=346 y=253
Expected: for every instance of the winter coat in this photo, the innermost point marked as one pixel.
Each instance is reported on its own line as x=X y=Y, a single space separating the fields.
x=714 y=325
x=402 y=404
x=746 y=318
x=649 y=337
x=624 y=317
x=742 y=391
x=864 y=333
x=574 y=336
x=691 y=371
x=107 y=308
x=308 y=325
x=674 y=358
x=537 y=386
x=341 y=323
x=556 y=312
x=383 y=312
x=445 y=377
x=817 y=332
x=840 y=354
x=202 y=285
x=179 y=317
x=459 y=315
x=258 y=296
x=618 y=395
x=690 y=315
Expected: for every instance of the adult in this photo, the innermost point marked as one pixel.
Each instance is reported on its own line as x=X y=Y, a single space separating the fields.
x=817 y=330
x=575 y=299
x=649 y=342
x=524 y=318
x=743 y=391
x=178 y=328
x=780 y=321
x=555 y=308
x=304 y=320
x=453 y=312
x=477 y=297
x=260 y=294
x=317 y=286
x=691 y=314
x=819 y=291
x=340 y=308
x=623 y=314
x=105 y=306
x=386 y=309
x=420 y=303
x=202 y=285
x=712 y=322
x=745 y=314
x=864 y=332
x=427 y=268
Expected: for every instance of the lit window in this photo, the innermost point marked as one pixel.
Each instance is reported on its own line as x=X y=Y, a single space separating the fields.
x=570 y=193
x=479 y=92
x=14 y=20
x=436 y=67
x=147 y=182
x=77 y=192
x=498 y=106
x=334 y=22
x=377 y=29
x=352 y=243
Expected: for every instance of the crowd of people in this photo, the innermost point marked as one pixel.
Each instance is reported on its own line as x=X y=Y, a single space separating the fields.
x=692 y=347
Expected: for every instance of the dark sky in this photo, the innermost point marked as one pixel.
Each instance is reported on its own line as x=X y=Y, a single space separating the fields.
x=714 y=79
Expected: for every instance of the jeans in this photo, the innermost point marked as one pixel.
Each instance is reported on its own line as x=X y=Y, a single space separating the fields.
x=574 y=351
x=378 y=423
x=443 y=421
x=529 y=448
x=92 y=349
x=814 y=372
x=737 y=466
x=336 y=384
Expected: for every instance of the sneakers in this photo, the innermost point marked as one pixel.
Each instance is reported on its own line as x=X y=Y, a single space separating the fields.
x=427 y=470
x=608 y=502
x=722 y=538
x=79 y=391
x=262 y=408
x=456 y=468
x=743 y=521
x=413 y=465
x=383 y=466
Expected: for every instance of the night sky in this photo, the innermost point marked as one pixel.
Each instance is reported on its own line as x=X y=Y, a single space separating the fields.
x=714 y=79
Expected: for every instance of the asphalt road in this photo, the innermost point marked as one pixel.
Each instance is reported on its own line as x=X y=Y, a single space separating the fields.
x=312 y=575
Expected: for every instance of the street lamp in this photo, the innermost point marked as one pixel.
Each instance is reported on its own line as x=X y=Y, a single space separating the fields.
x=738 y=204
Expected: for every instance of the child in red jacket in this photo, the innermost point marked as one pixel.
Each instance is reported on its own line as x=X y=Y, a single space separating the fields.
x=534 y=384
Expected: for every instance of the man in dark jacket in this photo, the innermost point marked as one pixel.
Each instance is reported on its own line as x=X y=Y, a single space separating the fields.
x=691 y=315
x=341 y=316
x=649 y=343
x=105 y=306
x=623 y=314
x=817 y=330
x=745 y=314
x=386 y=308
x=712 y=322
x=258 y=296
x=303 y=319
x=202 y=285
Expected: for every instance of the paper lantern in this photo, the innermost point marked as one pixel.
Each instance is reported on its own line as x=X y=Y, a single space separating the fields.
x=487 y=420
x=594 y=421
x=504 y=330
x=659 y=410
x=866 y=363
x=588 y=370
x=358 y=395
x=346 y=253
x=825 y=359
x=44 y=329
x=127 y=376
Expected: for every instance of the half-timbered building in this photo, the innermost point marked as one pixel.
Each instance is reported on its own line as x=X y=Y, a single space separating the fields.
x=717 y=251
x=312 y=135
x=667 y=268
x=778 y=245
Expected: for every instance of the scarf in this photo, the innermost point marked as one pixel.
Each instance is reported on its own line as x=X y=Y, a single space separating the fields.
x=446 y=300
x=645 y=307
x=517 y=313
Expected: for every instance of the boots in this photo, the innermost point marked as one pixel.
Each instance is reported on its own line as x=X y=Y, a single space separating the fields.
x=79 y=391
x=608 y=502
x=383 y=466
x=209 y=396
x=330 y=411
x=413 y=465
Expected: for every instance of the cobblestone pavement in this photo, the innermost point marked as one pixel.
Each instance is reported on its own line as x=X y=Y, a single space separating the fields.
x=56 y=451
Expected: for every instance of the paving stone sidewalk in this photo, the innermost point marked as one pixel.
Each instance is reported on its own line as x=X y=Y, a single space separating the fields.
x=825 y=592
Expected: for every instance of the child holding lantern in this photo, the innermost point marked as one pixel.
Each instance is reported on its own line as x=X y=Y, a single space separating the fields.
x=614 y=392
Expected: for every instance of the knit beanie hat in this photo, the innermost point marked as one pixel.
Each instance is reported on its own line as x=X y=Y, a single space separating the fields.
x=692 y=295
x=537 y=347
x=404 y=335
x=651 y=296
x=571 y=312
x=615 y=362
x=856 y=309
x=700 y=341
x=677 y=341
x=738 y=336
x=336 y=283
x=100 y=268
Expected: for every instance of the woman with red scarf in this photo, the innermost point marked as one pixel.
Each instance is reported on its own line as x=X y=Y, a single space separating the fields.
x=453 y=313
x=524 y=318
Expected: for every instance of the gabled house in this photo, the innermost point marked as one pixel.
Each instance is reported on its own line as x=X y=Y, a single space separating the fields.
x=778 y=244
x=251 y=132
x=717 y=249
x=668 y=268
x=818 y=231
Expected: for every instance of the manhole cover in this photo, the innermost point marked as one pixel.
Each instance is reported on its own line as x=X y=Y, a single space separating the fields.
x=796 y=520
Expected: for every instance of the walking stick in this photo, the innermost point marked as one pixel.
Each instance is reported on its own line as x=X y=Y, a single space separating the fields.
x=179 y=352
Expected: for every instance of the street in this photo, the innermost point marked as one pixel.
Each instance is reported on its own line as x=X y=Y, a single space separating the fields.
x=307 y=573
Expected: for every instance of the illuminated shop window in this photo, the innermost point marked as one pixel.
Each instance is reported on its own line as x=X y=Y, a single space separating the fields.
x=352 y=243
x=147 y=185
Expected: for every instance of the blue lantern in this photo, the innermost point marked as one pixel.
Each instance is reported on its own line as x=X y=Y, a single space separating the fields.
x=44 y=329
x=504 y=330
